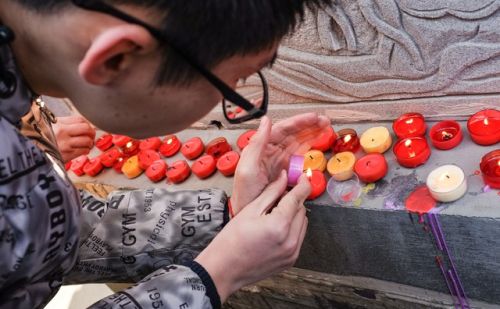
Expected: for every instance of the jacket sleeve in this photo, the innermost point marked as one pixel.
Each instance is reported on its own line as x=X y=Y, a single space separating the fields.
x=134 y=234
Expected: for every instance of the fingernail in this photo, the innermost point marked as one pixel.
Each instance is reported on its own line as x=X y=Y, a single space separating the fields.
x=263 y=122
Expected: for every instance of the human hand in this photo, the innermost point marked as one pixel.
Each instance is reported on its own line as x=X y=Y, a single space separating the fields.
x=261 y=240
x=269 y=151
x=74 y=136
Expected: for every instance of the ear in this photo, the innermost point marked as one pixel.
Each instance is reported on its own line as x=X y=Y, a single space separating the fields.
x=113 y=51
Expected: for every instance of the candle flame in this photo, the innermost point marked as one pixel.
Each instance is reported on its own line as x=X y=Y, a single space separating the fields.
x=309 y=173
x=408 y=143
x=446 y=136
x=347 y=138
x=409 y=121
x=486 y=121
x=170 y=141
x=129 y=144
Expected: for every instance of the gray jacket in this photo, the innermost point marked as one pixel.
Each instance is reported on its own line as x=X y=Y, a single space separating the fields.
x=52 y=234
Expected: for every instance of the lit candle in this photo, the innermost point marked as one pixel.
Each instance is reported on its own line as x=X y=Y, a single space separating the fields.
x=147 y=157
x=121 y=140
x=193 y=148
x=446 y=134
x=131 y=148
x=178 y=172
x=347 y=141
x=447 y=183
x=295 y=169
x=484 y=127
x=341 y=166
x=171 y=146
x=131 y=168
x=93 y=167
x=315 y=160
x=318 y=183
x=109 y=158
x=217 y=147
x=409 y=125
x=376 y=140
x=490 y=168
x=119 y=164
x=371 y=168
x=152 y=143
x=325 y=140
x=104 y=142
x=412 y=151
x=78 y=164
x=157 y=171
x=244 y=139
x=228 y=162
x=204 y=166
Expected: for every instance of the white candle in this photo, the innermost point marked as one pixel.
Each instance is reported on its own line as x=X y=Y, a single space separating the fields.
x=447 y=183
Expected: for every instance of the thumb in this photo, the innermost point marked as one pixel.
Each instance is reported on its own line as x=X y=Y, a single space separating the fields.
x=253 y=152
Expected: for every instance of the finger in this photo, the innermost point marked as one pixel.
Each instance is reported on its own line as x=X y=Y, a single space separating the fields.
x=302 y=235
x=271 y=194
x=79 y=129
x=82 y=141
x=305 y=124
x=293 y=201
x=71 y=119
x=252 y=154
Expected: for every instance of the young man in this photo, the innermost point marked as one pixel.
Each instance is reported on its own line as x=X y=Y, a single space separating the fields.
x=144 y=68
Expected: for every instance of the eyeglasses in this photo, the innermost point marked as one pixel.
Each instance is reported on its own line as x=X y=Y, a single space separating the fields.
x=244 y=110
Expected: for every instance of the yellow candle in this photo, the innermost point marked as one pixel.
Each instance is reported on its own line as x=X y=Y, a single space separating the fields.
x=376 y=140
x=131 y=167
x=341 y=166
x=315 y=160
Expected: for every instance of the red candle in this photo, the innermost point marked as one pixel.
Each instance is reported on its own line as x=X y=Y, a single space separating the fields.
x=170 y=146
x=490 y=168
x=93 y=167
x=409 y=125
x=446 y=134
x=152 y=143
x=157 y=171
x=347 y=141
x=119 y=164
x=131 y=148
x=109 y=158
x=78 y=164
x=147 y=157
x=244 y=139
x=325 y=140
x=217 y=147
x=178 y=171
x=318 y=184
x=193 y=148
x=104 y=142
x=204 y=166
x=371 y=168
x=121 y=140
x=484 y=127
x=412 y=151
x=228 y=162
x=67 y=165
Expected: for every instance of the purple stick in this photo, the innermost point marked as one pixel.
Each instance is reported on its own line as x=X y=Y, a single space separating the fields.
x=438 y=234
x=448 y=283
x=454 y=274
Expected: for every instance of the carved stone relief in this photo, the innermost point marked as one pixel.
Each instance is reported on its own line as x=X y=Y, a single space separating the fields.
x=365 y=50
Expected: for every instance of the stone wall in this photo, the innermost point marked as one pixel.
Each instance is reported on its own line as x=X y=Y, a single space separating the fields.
x=372 y=50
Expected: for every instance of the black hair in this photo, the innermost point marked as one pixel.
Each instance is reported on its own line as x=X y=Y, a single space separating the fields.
x=212 y=30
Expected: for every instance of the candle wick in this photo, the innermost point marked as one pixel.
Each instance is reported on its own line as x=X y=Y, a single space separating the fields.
x=447 y=176
x=373 y=139
x=312 y=158
x=338 y=160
